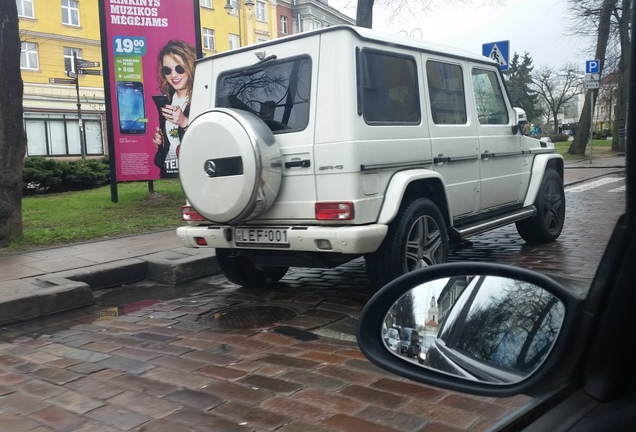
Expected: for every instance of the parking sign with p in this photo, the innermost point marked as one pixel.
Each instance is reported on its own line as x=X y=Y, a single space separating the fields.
x=593 y=66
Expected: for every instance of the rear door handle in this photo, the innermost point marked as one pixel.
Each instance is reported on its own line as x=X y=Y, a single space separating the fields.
x=305 y=163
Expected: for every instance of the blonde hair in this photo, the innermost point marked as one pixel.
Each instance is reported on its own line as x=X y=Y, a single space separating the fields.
x=187 y=54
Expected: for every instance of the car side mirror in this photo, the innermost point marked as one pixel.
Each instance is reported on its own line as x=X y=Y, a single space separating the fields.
x=520 y=119
x=483 y=328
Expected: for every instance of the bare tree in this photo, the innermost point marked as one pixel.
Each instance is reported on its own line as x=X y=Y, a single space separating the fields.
x=12 y=135
x=603 y=35
x=364 y=9
x=556 y=88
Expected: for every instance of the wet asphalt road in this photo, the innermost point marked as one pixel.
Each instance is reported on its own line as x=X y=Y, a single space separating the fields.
x=155 y=358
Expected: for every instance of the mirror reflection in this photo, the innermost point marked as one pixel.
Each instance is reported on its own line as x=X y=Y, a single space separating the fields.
x=484 y=328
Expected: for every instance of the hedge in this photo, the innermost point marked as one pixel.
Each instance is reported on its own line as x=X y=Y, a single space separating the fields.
x=42 y=174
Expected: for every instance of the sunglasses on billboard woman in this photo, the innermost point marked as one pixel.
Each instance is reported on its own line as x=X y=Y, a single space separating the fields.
x=167 y=71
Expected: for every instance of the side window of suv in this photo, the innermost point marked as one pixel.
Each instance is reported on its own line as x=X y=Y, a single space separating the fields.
x=489 y=98
x=446 y=88
x=387 y=85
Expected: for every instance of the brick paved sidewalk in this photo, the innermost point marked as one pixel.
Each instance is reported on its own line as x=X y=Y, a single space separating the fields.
x=162 y=368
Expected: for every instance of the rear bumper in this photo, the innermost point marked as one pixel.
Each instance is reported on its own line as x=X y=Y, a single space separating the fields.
x=355 y=240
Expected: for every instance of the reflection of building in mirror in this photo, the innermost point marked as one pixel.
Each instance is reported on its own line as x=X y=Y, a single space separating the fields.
x=432 y=316
x=451 y=291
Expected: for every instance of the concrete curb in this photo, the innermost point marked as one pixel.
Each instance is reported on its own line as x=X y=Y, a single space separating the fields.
x=618 y=170
x=177 y=267
x=39 y=296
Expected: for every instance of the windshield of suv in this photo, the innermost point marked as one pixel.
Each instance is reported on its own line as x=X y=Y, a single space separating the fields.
x=277 y=92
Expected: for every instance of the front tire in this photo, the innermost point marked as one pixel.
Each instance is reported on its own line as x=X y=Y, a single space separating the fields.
x=241 y=271
x=417 y=238
x=547 y=224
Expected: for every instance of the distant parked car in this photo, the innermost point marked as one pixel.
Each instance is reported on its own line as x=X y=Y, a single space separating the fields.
x=410 y=342
x=393 y=340
x=426 y=340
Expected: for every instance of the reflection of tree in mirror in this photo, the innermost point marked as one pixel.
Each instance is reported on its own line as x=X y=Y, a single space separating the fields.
x=404 y=311
x=513 y=326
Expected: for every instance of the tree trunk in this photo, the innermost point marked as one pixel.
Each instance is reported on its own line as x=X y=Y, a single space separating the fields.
x=364 y=13
x=582 y=130
x=618 y=130
x=12 y=135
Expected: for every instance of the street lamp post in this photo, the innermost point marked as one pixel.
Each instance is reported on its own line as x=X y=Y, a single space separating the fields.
x=229 y=8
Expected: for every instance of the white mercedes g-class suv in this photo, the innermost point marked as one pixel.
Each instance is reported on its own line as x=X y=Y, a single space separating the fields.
x=322 y=147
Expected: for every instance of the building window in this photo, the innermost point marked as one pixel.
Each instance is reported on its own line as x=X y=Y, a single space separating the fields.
x=235 y=5
x=206 y=4
x=25 y=8
x=208 y=38
x=261 y=11
x=29 y=56
x=70 y=12
x=68 y=58
x=283 y=24
x=58 y=134
x=261 y=40
x=235 y=41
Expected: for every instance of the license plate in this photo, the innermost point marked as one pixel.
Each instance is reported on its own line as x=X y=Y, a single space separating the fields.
x=276 y=237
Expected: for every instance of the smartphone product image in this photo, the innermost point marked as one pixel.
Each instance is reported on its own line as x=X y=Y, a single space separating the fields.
x=130 y=104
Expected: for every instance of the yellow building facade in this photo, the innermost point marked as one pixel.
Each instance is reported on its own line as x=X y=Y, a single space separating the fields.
x=231 y=24
x=52 y=32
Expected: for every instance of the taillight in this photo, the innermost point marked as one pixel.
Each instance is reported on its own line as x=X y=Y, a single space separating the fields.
x=334 y=211
x=189 y=214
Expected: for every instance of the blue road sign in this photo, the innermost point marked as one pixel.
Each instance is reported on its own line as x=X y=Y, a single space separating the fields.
x=499 y=52
x=593 y=66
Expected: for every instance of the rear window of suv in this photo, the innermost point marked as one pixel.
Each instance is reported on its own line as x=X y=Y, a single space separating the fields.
x=276 y=91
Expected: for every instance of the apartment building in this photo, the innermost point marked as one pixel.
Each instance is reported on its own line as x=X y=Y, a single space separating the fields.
x=53 y=32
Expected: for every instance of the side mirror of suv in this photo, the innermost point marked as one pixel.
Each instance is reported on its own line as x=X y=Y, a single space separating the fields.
x=520 y=119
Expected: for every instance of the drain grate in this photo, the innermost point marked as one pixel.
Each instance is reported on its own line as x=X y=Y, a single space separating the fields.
x=250 y=316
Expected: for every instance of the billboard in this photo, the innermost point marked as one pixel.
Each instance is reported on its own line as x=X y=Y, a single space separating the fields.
x=148 y=49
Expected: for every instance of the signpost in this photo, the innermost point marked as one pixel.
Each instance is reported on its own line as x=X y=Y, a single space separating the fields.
x=62 y=80
x=89 y=71
x=499 y=52
x=81 y=63
x=592 y=82
x=78 y=66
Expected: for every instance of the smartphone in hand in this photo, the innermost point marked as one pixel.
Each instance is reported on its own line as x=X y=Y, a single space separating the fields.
x=161 y=101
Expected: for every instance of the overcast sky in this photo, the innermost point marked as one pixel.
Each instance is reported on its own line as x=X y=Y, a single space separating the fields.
x=538 y=27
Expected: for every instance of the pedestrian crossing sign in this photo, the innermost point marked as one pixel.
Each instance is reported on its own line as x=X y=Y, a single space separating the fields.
x=499 y=52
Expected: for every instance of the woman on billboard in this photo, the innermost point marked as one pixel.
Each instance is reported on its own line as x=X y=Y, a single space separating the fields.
x=176 y=75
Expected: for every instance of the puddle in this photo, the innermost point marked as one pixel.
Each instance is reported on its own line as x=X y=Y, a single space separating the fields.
x=247 y=317
x=127 y=299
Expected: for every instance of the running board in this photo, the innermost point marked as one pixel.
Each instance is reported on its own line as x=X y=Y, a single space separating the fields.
x=459 y=234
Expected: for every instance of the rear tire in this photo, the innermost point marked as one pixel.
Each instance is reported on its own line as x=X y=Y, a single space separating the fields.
x=547 y=224
x=241 y=271
x=417 y=238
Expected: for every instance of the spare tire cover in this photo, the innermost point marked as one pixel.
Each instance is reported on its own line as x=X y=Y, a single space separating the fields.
x=229 y=165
